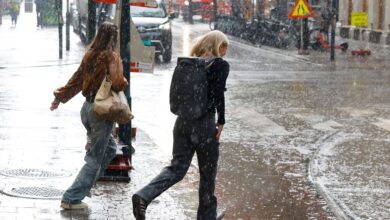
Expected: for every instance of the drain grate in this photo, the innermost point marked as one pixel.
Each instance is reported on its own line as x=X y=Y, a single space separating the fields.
x=33 y=192
x=33 y=173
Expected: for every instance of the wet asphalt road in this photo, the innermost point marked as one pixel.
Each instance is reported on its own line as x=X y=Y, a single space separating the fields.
x=304 y=139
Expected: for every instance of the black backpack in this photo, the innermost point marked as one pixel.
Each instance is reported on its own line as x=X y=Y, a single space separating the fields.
x=188 y=91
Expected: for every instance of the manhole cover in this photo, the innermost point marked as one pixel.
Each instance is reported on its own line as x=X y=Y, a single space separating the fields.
x=33 y=192
x=33 y=173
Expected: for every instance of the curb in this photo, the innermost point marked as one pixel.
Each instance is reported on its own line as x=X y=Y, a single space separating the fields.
x=335 y=207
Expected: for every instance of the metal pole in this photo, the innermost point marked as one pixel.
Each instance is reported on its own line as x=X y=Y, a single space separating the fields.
x=91 y=28
x=190 y=12
x=301 y=48
x=125 y=129
x=215 y=10
x=1 y=12
x=67 y=26
x=60 y=23
x=333 y=32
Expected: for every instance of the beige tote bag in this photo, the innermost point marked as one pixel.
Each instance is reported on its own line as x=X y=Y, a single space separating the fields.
x=111 y=105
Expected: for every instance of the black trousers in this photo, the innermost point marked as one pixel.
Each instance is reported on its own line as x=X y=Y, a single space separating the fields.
x=190 y=136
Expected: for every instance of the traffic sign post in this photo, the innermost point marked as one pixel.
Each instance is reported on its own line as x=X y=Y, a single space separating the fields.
x=301 y=10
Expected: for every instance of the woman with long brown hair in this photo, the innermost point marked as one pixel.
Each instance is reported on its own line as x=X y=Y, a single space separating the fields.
x=100 y=61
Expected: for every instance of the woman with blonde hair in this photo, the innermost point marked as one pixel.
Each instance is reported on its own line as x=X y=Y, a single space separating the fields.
x=99 y=61
x=196 y=135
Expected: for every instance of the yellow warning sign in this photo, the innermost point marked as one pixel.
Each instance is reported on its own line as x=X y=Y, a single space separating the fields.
x=359 y=19
x=301 y=9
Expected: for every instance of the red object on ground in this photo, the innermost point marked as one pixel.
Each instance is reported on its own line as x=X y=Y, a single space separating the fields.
x=120 y=162
x=343 y=46
x=361 y=52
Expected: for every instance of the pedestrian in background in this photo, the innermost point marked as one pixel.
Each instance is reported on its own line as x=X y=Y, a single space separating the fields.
x=197 y=135
x=1 y=11
x=99 y=61
x=15 y=10
x=39 y=7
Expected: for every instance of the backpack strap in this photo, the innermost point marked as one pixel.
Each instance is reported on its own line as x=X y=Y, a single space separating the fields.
x=210 y=61
x=107 y=75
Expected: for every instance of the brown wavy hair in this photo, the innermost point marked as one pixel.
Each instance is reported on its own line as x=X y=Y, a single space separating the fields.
x=102 y=45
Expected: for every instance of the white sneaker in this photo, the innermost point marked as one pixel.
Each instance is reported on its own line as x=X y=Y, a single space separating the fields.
x=70 y=206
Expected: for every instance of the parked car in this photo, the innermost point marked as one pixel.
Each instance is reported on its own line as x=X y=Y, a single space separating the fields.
x=153 y=24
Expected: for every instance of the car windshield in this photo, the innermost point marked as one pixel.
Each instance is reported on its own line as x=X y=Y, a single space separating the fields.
x=147 y=12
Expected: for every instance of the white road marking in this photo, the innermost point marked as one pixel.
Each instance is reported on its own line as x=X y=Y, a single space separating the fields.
x=357 y=112
x=258 y=122
x=383 y=123
x=329 y=125
x=318 y=122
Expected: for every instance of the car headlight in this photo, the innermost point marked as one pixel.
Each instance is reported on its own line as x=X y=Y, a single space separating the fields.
x=165 y=26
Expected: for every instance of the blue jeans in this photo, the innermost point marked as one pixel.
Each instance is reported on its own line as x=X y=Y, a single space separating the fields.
x=103 y=150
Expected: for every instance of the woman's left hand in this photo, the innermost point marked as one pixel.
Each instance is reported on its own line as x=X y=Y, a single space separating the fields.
x=219 y=131
x=54 y=104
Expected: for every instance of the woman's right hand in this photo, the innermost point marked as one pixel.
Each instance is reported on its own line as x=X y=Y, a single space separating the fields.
x=54 y=104
x=219 y=131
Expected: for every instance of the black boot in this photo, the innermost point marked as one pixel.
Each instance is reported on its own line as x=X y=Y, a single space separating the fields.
x=139 y=207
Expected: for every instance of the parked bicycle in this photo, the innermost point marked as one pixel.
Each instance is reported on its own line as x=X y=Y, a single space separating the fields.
x=259 y=31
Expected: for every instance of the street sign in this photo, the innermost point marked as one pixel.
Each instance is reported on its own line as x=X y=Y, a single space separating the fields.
x=141 y=57
x=301 y=9
x=359 y=19
x=141 y=3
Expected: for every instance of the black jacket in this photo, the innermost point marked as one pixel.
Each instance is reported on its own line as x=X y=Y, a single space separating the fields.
x=217 y=75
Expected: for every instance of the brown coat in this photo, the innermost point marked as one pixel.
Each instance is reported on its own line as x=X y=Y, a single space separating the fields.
x=89 y=83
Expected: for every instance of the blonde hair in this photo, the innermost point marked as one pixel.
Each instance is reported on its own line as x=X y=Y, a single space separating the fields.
x=209 y=44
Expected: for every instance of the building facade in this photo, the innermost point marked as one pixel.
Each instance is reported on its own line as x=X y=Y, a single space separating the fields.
x=377 y=29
